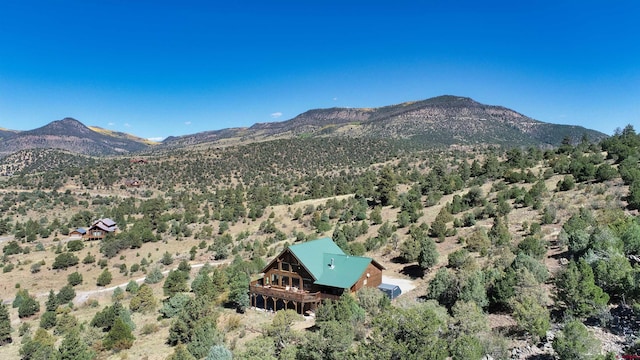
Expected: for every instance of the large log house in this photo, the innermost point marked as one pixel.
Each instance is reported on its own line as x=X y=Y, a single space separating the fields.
x=303 y=275
x=100 y=228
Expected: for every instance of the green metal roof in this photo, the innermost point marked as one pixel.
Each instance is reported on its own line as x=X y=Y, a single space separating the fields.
x=346 y=270
x=310 y=254
x=317 y=257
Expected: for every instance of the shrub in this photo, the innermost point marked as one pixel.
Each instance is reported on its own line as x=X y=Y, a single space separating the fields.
x=65 y=260
x=29 y=306
x=12 y=248
x=75 y=245
x=132 y=287
x=66 y=294
x=89 y=259
x=149 y=328
x=458 y=259
x=8 y=268
x=75 y=278
x=154 y=276
x=105 y=278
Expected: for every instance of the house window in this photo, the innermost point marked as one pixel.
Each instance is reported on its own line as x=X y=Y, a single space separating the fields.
x=285 y=281
x=274 y=279
x=286 y=266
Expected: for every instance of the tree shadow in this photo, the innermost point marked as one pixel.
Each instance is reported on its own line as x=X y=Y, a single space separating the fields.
x=541 y=357
x=413 y=271
x=399 y=260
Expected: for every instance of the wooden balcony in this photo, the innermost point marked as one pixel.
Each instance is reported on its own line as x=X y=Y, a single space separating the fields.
x=289 y=293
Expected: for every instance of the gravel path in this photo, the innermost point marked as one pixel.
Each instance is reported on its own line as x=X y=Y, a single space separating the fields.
x=83 y=296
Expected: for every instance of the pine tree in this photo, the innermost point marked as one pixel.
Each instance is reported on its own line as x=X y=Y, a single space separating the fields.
x=439 y=225
x=41 y=346
x=143 y=301
x=52 y=302
x=386 y=187
x=428 y=254
x=119 y=337
x=175 y=282
x=5 y=325
x=73 y=348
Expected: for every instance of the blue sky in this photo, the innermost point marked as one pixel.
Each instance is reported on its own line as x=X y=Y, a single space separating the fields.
x=160 y=68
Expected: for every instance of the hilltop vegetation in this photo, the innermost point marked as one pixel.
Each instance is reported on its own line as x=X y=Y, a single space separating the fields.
x=506 y=247
x=440 y=121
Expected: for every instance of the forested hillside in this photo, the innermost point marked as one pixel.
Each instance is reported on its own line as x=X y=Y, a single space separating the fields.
x=521 y=252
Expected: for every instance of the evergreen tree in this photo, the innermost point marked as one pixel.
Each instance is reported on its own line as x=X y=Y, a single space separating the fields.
x=443 y=288
x=104 y=278
x=575 y=342
x=48 y=320
x=499 y=232
x=439 y=224
x=119 y=337
x=386 y=187
x=73 y=348
x=428 y=253
x=181 y=353
x=74 y=279
x=175 y=282
x=172 y=306
x=52 y=302
x=143 y=301
x=154 y=276
x=238 y=285
x=577 y=289
x=66 y=294
x=204 y=335
x=531 y=316
x=5 y=325
x=40 y=347
x=28 y=307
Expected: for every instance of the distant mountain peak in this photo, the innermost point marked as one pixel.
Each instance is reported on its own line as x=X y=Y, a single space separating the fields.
x=441 y=120
x=71 y=135
x=444 y=120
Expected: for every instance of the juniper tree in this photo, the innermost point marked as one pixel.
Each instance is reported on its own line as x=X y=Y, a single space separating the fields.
x=5 y=325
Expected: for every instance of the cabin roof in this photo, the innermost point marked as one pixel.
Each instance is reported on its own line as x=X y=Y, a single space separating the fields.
x=108 y=222
x=342 y=271
x=318 y=256
x=310 y=254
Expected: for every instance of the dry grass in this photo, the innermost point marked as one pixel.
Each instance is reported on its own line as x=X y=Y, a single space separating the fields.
x=239 y=329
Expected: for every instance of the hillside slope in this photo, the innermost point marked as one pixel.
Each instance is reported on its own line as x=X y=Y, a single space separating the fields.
x=443 y=120
x=71 y=135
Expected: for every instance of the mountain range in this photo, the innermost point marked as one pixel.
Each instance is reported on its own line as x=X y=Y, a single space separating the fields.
x=443 y=120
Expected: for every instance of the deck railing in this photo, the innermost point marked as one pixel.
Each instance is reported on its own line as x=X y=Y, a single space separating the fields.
x=289 y=293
